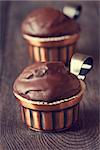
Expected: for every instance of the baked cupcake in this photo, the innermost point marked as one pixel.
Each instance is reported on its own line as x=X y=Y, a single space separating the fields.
x=49 y=96
x=51 y=35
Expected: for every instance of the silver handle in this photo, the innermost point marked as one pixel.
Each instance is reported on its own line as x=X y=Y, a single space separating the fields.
x=80 y=65
x=72 y=12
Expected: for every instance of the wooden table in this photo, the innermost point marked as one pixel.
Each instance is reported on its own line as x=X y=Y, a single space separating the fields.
x=13 y=134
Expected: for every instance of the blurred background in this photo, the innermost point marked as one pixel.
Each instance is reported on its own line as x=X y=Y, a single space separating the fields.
x=13 y=13
x=14 y=57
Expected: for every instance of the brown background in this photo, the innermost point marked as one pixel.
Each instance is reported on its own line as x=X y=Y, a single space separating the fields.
x=14 y=57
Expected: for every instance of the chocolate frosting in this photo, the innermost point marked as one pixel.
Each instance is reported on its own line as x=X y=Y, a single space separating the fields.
x=49 y=22
x=47 y=81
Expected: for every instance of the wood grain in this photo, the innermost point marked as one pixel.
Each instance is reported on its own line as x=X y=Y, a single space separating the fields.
x=13 y=134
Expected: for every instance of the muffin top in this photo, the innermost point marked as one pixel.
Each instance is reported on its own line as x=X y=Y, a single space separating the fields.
x=49 y=22
x=47 y=81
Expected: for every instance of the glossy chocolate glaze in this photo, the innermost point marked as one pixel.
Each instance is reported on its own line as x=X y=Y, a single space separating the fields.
x=49 y=22
x=47 y=81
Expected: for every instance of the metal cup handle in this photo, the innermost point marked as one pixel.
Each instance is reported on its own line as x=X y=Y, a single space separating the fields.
x=80 y=65
x=72 y=12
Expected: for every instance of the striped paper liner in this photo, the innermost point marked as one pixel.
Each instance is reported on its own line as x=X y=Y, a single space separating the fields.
x=61 y=53
x=50 y=120
x=52 y=48
x=54 y=116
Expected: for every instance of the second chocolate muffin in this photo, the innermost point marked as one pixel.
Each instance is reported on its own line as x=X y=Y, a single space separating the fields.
x=49 y=22
x=50 y=34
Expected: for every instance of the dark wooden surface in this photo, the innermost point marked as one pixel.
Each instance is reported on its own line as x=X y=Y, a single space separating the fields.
x=15 y=136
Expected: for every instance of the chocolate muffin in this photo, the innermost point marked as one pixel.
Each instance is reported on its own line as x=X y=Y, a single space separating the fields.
x=47 y=81
x=51 y=35
x=49 y=96
x=49 y=22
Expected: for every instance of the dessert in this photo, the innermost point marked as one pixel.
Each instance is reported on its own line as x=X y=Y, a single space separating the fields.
x=49 y=22
x=49 y=96
x=51 y=35
x=49 y=81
